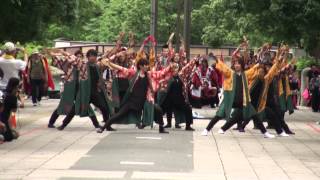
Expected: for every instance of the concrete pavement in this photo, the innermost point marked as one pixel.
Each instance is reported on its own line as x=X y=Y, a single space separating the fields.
x=79 y=152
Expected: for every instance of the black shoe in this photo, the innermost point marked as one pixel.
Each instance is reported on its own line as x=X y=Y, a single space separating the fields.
x=162 y=130
x=188 y=128
x=61 y=128
x=51 y=126
x=290 y=132
x=241 y=130
x=168 y=126
x=177 y=126
x=100 y=130
x=141 y=126
x=109 y=128
x=236 y=129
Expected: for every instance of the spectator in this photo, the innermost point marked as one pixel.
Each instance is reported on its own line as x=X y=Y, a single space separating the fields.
x=38 y=77
x=10 y=104
x=10 y=65
x=314 y=87
x=2 y=126
x=294 y=86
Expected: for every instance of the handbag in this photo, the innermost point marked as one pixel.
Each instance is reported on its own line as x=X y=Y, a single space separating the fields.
x=306 y=95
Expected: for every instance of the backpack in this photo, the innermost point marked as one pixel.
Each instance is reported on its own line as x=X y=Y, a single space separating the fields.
x=36 y=69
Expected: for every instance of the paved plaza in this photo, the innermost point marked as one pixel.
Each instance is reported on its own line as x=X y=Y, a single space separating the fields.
x=79 y=153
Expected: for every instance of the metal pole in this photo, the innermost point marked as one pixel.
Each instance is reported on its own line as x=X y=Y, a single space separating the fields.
x=187 y=25
x=154 y=19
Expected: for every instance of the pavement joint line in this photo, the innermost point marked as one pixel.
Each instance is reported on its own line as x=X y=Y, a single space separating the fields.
x=20 y=145
x=243 y=152
x=266 y=151
x=219 y=154
x=56 y=174
x=28 y=155
x=149 y=138
x=289 y=150
x=314 y=128
x=58 y=153
x=237 y=139
x=33 y=130
x=137 y=163
x=303 y=141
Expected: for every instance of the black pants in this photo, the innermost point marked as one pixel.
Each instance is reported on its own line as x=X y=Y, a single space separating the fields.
x=55 y=116
x=274 y=117
x=283 y=123
x=127 y=108
x=97 y=100
x=208 y=101
x=36 y=90
x=236 y=117
x=8 y=135
x=315 y=100
x=257 y=123
x=179 y=105
x=168 y=111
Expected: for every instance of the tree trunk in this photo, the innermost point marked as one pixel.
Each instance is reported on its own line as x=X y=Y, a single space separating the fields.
x=178 y=24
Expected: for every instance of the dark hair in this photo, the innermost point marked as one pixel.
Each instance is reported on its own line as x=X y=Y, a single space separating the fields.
x=241 y=62
x=165 y=46
x=142 y=62
x=294 y=67
x=12 y=84
x=92 y=52
x=78 y=52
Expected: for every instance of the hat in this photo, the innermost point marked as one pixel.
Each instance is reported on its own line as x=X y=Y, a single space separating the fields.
x=9 y=46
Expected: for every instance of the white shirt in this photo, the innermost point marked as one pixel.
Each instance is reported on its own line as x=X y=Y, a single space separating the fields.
x=10 y=68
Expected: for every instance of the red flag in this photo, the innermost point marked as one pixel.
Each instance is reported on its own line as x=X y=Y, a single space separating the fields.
x=50 y=80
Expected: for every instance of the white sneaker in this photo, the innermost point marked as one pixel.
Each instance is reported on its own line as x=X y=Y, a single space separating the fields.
x=34 y=104
x=221 y=131
x=268 y=135
x=205 y=132
x=38 y=104
x=284 y=134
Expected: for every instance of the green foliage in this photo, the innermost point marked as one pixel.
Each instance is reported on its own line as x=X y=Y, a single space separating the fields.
x=304 y=62
x=214 y=22
x=293 y=21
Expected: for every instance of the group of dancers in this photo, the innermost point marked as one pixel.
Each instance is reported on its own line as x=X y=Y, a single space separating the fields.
x=139 y=87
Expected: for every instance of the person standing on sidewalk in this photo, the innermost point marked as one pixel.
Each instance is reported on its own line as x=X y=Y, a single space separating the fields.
x=37 y=76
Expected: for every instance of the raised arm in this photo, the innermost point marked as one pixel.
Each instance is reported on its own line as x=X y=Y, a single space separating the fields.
x=223 y=68
x=275 y=69
x=170 y=46
x=159 y=75
x=117 y=47
x=187 y=68
x=125 y=73
x=252 y=72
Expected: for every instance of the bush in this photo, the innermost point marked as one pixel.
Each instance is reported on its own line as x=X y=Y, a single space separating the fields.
x=306 y=61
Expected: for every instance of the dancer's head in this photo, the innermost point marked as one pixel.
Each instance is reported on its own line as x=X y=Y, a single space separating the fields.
x=78 y=54
x=143 y=65
x=239 y=64
x=175 y=68
x=92 y=56
x=165 y=50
